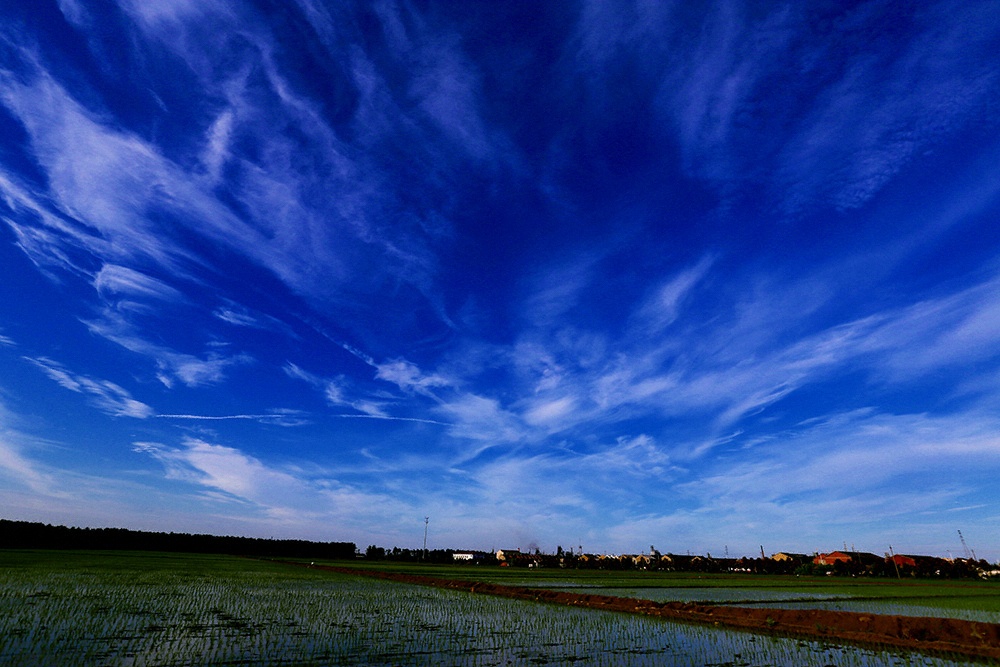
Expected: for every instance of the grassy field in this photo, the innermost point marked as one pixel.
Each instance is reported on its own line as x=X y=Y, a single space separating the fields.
x=131 y=608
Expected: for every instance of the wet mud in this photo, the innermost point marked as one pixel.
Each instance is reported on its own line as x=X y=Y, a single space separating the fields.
x=938 y=636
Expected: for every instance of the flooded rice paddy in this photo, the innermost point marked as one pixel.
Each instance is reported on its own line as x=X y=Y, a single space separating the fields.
x=133 y=609
x=859 y=602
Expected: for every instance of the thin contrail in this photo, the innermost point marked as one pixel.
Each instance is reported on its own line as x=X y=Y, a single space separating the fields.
x=223 y=417
x=395 y=419
x=219 y=417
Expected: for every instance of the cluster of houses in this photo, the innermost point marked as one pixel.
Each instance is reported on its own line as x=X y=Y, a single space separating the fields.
x=851 y=563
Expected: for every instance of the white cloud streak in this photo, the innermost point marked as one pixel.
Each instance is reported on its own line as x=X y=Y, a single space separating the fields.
x=663 y=306
x=740 y=364
x=121 y=282
x=171 y=366
x=335 y=392
x=277 y=418
x=315 y=213
x=275 y=492
x=408 y=376
x=106 y=396
x=22 y=471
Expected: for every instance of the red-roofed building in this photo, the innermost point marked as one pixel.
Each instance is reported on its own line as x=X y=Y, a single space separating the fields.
x=831 y=558
x=899 y=560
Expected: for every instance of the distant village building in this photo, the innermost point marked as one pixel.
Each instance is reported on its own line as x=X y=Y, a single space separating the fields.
x=641 y=561
x=512 y=557
x=831 y=558
x=899 y=560
x=785 y=557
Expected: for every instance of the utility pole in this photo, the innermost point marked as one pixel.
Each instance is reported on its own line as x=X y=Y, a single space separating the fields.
x=426 y=519
x=892 y=556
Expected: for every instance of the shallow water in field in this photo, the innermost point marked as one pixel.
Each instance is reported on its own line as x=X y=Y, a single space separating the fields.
x=709 y=595
x=778 y=599
x=891 y=608
x=258 y=614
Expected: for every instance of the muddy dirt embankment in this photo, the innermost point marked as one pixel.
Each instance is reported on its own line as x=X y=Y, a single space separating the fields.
x=908 y=633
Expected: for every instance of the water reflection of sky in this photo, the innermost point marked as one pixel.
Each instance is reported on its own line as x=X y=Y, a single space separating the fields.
x=713 y=595
x=890 y=608
x=777 y=599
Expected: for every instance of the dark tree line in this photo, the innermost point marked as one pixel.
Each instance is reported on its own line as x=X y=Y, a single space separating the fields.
x=28 y=535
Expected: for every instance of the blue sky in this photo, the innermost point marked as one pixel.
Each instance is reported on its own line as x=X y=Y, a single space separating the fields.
x=706 y=276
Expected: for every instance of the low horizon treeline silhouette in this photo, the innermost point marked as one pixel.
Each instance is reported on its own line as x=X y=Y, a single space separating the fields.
x=33 y=535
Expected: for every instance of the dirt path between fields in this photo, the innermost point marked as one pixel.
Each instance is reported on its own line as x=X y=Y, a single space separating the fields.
x=909 y=633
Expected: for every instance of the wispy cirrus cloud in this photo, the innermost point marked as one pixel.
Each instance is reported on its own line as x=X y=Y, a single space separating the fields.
x=241 y=316
x=50 y=241
x=558 y=289
x=105 y=395
x=287 y=176
x=169 y=15
x=226 y=469
x=114 y=283
x=424 y=397
x=833 y=129
x=560 y=491
x=103 y=181
x=19 y=468
x=481 y=419
x=287 y=492
x=862 y=467
x=732 y=56
x=335 y=391
x=22 y=471
x=661 y=308
x=408 y=376
x=742 y=359
x=890 y=104
x=338 y=392
x=171 y=366
x=116 y=196
x=737 y=367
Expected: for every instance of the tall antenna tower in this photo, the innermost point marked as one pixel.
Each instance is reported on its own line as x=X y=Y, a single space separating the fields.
x=426 y=519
